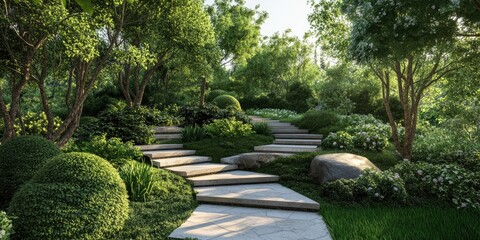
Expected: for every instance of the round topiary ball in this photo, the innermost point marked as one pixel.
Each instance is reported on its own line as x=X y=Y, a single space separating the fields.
x=226 y=101
x=20 y=158
x=73 y=196
x=215 y=93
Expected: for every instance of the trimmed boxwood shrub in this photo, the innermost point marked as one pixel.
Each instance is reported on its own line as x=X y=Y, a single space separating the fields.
x=20 y=158
x=73 y=196
x=215 y=93
x=227 y=101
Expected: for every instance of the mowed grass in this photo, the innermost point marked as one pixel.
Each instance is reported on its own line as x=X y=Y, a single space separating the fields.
x=353 y=221
x=220 y=147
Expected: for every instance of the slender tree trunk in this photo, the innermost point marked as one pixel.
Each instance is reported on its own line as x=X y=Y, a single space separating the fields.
x=202 y=91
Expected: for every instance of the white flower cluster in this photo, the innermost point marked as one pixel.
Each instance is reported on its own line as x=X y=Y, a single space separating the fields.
x=274 y=113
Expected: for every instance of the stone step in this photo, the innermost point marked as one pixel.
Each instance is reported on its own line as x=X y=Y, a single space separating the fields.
x=244 y=223
x=280 y=124
x=201 y=169
x=286 y=148
x=232 y=177
x=288 y=130
x=298 y=141
x=268 y=121
x=168 y=153
x=152 y=147
x=298 y=136
x=178 y=161
x=170 y=136
x=267 y=195
x=168 y=129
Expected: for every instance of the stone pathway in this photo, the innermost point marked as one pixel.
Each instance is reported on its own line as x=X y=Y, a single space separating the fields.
x=239 y=204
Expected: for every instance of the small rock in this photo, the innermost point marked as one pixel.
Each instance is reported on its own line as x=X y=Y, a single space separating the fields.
x=330 y=167
x=253 y=160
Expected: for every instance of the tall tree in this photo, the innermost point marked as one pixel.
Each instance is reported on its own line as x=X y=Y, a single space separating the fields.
x=412 y=43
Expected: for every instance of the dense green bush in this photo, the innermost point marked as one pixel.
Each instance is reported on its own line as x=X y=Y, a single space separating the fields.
x=89 y=127
x=323 y=122
x=448 y=182
x=228 y=128
x=20 y=158
x=395 y=107
x=193 y=133
x=371 y=186
x=217 y=92
x=195 y=116
x=73 y=196
x=269 y=101
x=262 y=129
x=338 y=140
x=129 y=124
x=298 y=95
x=138 y=179
x=273 y=113
x=35 y=124
x=370 y=136
x=444 y=146
x=227 y=101
x=100 y=101
x=6 y=229
x=113 y=150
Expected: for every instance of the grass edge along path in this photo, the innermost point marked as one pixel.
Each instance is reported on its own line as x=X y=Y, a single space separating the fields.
x=350 y=221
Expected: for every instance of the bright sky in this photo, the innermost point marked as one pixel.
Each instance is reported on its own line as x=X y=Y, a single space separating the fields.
x=282 y=14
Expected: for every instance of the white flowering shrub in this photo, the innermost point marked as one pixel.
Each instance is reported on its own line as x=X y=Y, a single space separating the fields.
x=5 y=226
x=358 y=119
x=273 y=113
x=371 y=186
x=370 y=136
x=442 y=146
x=448 y=182
x=339 y=140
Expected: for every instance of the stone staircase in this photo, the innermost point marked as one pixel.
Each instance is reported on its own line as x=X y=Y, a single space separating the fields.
x=232 y=199
x=167 y=133
x=288 y=138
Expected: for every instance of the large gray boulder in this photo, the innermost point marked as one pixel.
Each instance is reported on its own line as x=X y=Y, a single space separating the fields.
x=330 y=167
x=253 y=160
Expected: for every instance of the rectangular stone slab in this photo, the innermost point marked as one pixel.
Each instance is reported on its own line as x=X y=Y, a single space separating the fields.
x=267 y=195
x=168 y=136
x=298 y=141
x=232 y=177
x=178 y=161
x=168 y=153
x=168 y=129
x=280 y=124
x=242 y=223
x=288 y=130
x=201 y=169
x=286 y=148
x=159 y=147
x=298 y=136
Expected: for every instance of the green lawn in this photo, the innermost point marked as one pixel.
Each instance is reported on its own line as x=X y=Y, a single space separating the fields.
x=428 y=221
x=220 y=147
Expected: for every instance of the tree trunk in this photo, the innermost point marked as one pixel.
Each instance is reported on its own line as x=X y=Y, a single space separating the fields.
x=202 y=91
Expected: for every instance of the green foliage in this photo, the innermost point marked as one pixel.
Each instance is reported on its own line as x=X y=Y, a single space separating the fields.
x=273 y=113
x=113 y=150
x=262 y=129
x=228 y=128
x=298 y=95
x=129 y=124
x=81 y=191
x=371 y=186
x=226 y=102
x=322 y=122
x=89 y=128
x=445 y=146
x=270 y=101
x=217 y=92
x=338 y=140
x=100 y=100
x=370 y=136
x=195 y=116
x=20 y=158
x=5 y=226
x=35 y=124
x=448 y=182
x=193 y=133
x=138 y=179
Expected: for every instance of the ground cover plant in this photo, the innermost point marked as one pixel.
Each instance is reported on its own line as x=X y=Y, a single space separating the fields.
x=274 y=113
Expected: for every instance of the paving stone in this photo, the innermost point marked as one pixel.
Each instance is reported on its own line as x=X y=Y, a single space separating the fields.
x=298 y=141
x=178 y=161
x=269 y=195
x=232 y=177
x=168 y=136
x=288 y=130
x=220 y=222
x=159 y=147
x=280 y=124
x=298 y=136
x=168 y=129
x=286 y=148
x=201 y=169
x=168 y=153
